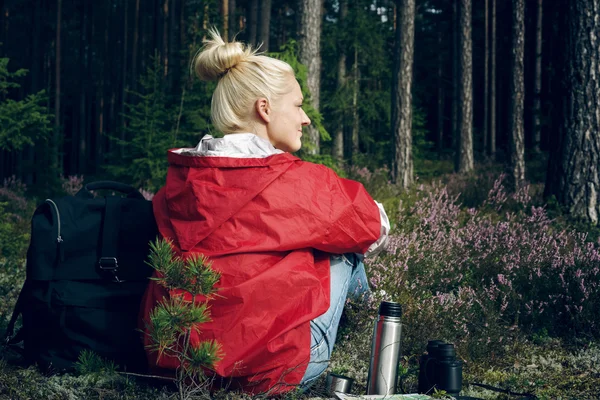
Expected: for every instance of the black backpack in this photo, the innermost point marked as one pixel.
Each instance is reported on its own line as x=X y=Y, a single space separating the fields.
x=86 y=274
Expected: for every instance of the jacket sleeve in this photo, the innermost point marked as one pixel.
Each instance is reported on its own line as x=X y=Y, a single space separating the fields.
x=381 y=243
x=354 y=221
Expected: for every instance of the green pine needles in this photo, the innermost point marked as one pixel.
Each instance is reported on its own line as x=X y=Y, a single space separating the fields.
x=174 y=320
x=289 y=53
x=90 y=363
x=22 y=122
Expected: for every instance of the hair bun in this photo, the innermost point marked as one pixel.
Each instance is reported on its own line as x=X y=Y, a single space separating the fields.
x=217 y=57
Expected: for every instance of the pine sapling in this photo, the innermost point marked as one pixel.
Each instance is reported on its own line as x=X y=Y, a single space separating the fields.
x=191 y=284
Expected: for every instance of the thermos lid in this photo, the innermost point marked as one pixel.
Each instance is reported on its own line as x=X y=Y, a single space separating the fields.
x=390 y=309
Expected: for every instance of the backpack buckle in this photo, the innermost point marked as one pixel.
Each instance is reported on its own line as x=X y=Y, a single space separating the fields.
x=109 y=264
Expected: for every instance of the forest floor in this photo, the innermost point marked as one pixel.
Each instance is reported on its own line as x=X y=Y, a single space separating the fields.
x=543 y=370
x=534 y=364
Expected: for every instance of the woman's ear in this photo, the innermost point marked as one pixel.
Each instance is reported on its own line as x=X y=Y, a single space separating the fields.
x=263 y=109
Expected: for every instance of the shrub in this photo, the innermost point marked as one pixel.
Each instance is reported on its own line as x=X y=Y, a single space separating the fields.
x=72 y=184
x=379 y=186
x=15 y=213
x=480 y=277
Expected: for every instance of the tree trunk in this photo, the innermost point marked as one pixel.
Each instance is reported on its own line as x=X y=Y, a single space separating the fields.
x=492 y=140
x=225 y=11
x=440 y=97
x=338 y=140
x=265 y=24
x=165 y=38
x=577 y=178
x=554 y=52
x=174 y=49
x=401 y=93
x=455 y=77
x=311 y=15
x=57 y=110
x=252 y=21
x=134 y=51
x=82 y=143
x=124 y=82
x=486 y=80
x=537 y=109
x=465 y=111
x=516 y=124
x=233 y=29
x=182 y=40
x=355 y=141
x=36 y=85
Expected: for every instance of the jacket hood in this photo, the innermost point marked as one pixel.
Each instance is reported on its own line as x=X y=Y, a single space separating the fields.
x=203 y=192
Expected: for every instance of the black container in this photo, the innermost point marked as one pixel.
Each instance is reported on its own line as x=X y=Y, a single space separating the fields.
x=427 y=368
x=440 y=369
x=449 y=376
x=448 y=370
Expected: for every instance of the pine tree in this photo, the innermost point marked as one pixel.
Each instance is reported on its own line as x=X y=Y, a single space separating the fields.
x=402 y=93
x=575 y=180
x=517 y=102
x=311 y=15
x=465 y=97
x=149 y=133
x=173 y=320
x=22 y=122
x=289 y=54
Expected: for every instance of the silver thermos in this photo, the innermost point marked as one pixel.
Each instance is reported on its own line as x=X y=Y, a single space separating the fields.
x=385 y=352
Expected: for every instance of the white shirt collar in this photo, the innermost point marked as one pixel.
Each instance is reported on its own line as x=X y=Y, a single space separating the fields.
x=236 y=145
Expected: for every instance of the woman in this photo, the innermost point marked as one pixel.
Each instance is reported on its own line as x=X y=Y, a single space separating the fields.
x=282 y=232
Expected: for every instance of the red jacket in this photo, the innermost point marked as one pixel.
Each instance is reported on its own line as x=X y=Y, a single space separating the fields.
x=269 y=226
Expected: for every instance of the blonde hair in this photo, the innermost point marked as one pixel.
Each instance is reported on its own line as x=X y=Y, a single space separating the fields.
x=243 y=76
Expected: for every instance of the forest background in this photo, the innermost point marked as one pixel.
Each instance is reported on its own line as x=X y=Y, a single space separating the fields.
x=475 y=122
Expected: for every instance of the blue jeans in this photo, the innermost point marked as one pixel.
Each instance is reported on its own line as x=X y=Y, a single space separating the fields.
x=348 y=279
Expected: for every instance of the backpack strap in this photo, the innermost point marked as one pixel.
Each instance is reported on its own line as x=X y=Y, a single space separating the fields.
x=130 y=191
x=9 y=338
x=108 y=262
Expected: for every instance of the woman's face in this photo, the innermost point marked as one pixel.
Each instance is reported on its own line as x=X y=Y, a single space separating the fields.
x=287 y=119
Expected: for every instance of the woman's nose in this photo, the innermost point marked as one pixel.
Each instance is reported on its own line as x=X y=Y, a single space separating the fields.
x=305 y=119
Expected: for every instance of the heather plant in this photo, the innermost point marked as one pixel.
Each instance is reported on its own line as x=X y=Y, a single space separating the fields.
x=72 y=184
x=148 y=195
x=481 y=277
x=13 y=192
x=488 y=279
x=379 y=186
x=15 y=212
x=472 y=189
